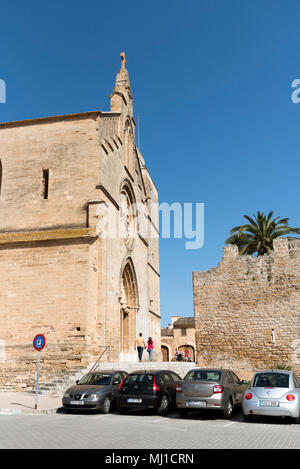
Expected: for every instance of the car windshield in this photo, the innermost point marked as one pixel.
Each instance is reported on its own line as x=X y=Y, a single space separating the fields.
x=204 y=375
x=272 y=380
x=96 y=379
x=140 y=378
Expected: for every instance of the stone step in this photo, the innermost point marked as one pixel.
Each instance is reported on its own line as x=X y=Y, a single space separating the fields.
x=58 y=384
x=180 y=368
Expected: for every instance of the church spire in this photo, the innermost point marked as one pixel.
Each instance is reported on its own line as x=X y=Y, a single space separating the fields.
x=121 y=97
x=122 y=80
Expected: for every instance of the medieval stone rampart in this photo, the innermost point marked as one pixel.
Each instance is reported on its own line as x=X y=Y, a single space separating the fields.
x=247 y=310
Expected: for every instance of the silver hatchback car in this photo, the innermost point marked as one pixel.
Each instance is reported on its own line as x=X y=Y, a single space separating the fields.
x=272 y=393
x=210 y=389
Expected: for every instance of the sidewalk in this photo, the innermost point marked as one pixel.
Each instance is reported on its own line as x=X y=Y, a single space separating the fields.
x=22 y=403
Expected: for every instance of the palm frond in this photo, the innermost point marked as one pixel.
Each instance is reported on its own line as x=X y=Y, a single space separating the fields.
x=256 y=237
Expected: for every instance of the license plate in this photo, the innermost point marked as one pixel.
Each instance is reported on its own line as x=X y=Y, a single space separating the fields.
x=196 y=403
x=268 y=403
x=76 y=402
x=135 y=401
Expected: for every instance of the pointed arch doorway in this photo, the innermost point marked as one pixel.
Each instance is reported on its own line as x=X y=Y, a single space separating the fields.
x=129 y=305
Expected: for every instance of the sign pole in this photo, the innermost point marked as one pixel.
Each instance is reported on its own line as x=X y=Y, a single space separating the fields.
x=37 y=380
x=39 y=343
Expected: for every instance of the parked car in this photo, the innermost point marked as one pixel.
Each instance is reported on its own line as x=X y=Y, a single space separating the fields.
x=273 y=393
x=148 y=389
x=95 y=391
x=209 y=389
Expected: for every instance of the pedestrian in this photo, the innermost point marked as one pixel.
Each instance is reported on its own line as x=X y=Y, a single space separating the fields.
x=150 y=347
x=140 y=344
x=176 y=354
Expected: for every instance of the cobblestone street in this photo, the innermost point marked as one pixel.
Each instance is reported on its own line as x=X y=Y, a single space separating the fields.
x=144 y=430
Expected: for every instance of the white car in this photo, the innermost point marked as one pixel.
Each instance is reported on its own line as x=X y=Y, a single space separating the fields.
x=273 y=393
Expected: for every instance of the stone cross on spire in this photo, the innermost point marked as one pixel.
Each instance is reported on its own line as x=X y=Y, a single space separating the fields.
x=121 y=97
x=122 y=55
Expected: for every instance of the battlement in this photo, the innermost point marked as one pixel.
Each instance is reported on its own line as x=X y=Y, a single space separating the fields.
x=290 y=247
x=247 y=309
x=284 y=260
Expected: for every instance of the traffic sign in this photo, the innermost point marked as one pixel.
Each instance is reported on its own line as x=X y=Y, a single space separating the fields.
x=39 y=342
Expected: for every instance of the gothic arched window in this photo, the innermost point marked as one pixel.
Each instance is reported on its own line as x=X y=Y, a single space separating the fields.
x=127 y=216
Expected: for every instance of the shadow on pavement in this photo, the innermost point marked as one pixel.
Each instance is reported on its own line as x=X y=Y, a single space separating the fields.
x=62 y=410
x=200 y=415
x=266 y=420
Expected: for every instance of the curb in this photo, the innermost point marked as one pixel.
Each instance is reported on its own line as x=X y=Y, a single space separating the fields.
x=13 y=411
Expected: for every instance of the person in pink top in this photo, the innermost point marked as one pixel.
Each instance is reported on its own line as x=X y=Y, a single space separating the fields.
x=150 y=348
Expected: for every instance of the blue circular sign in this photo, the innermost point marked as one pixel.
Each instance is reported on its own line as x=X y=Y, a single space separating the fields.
x=39 y=342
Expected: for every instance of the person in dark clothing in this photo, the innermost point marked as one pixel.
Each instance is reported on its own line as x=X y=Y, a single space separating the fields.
x=140 y=344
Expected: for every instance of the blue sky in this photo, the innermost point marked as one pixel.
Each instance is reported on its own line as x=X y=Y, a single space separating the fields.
x=211 y=81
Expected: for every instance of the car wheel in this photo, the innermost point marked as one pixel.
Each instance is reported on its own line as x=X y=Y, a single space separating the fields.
x=164 y=406
x=228 y=410
x=106 y=405
x=183 y=413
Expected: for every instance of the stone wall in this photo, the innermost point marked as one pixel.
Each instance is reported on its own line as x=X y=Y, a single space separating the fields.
x=45 y=289
x=180 y=335
x=247 y=310
x=68 y=147
x=180 y=342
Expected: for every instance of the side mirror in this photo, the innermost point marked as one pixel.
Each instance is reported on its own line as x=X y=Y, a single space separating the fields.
x=244 y=381
x=76 y=382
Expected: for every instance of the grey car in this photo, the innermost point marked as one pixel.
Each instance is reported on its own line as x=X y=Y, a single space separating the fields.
x=212 y=389
x=272 y=393
x=95 y=391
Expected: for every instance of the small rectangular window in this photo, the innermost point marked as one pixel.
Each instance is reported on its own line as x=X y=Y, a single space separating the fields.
x=45 y=183
x=183 y=331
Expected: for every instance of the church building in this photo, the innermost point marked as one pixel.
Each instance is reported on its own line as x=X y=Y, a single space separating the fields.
x=79 y=247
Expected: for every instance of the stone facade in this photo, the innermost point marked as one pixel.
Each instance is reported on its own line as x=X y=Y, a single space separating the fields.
x=247 y=310
x=74 y=262
x=179 y=335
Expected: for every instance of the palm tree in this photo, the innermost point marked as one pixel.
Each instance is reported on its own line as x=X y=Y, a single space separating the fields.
x=256 y=237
